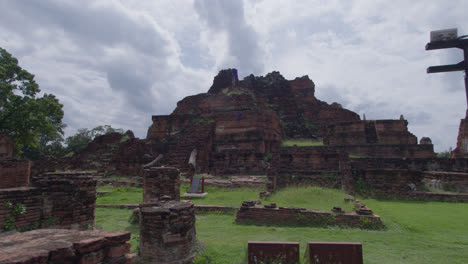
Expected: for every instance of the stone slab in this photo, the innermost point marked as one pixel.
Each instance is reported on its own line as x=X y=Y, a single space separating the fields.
x=197 y=195
x=267 y=251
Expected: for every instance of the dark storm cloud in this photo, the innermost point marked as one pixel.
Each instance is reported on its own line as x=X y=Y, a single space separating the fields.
x=228 y=16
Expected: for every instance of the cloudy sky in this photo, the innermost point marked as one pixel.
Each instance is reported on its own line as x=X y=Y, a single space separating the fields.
x=119 y=62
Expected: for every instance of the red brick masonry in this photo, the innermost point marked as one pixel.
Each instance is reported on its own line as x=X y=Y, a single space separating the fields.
x=64 y=246
x=333 y=252
x=69 y=199
x=29 y=197
x=167 y=232
x=160 y=181
x=258 y=214
x=14 y=173
x=278 y=252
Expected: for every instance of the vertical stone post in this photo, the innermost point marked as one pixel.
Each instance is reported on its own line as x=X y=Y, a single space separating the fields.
x=167 y=232
x=161 y=181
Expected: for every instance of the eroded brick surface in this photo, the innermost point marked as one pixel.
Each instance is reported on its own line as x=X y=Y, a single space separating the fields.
x=63 y=246
x=167 y=231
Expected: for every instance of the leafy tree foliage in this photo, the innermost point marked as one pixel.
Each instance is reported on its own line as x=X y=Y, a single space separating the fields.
x=24 y=116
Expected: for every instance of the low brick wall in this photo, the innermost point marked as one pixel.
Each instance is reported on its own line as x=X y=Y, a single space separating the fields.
x=258 y=214
x=422 y=164
x=161 y=181
x=12 y=198
x=14 y=173
x=69 y=199
x=386 y=182
x=442 y=197
x=389 y=151
x=65 y=246
x=167 y=232
x=447 y=181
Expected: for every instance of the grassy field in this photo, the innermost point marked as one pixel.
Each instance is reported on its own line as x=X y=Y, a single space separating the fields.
x=301 y=142
x=323 y=199
x=418 y=232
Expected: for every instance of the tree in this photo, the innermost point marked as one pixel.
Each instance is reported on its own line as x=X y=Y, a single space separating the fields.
x=23 y=114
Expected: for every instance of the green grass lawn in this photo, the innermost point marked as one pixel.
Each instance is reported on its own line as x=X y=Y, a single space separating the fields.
x=120 y=195
x=418 y=232
x=301 y=142
x=307 y=197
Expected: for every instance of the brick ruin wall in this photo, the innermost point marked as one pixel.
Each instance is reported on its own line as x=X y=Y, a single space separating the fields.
x=450 y=181
x=15 y=198
x=382 y=132
x=461 y=151
x=65 y=246
x=388 y=151
x=403 y=183
x=69 y=199
x=159 y=182
x=229 y=162
x=112 y=154
x=258 y=214
x=430 y=164
x=329 y=166
x=57 y=200
x=323 y=166
x=167 y=232
x=386 y=182
x=14 y=173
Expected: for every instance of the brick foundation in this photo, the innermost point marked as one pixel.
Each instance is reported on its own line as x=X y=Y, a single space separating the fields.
x=14 y=173
x=65 y=246
x=159 y=182
x=69 y=199
x=258 y=214
x=167 y=232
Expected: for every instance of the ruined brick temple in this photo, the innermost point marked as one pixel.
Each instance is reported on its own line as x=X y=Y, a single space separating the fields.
x=237 y=127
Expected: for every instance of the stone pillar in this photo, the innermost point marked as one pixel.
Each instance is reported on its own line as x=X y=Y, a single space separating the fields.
x=167 y=232
x=161 y=181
